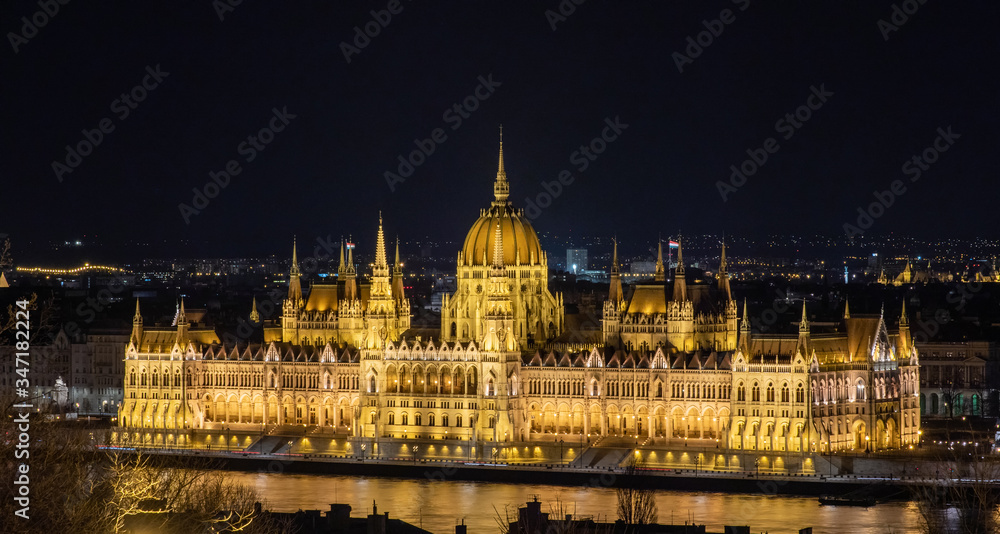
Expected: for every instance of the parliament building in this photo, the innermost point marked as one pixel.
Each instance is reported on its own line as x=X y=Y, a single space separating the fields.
x=676 y=364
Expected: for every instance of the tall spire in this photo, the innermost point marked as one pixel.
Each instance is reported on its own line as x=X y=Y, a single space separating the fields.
x=137 y=325
x=341 y=269
x=350 y=256
x=397 y=275
x=680 y=280
x=254 y=316
x=182 y=324
x=724 y=275
x=745 y=322
x=804 y=322
x=903 y=321
x=615 y=294
x=744 y=339
x=501 y=188
x=660 y=275
x=380 y=245
x=847 y=309
x=294 y=283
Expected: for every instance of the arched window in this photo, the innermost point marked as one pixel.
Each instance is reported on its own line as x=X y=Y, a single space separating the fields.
x=444 y=420
x=142 y=378
x=454 y=330
x=741 y=393
x=770 y=392
x=860 y=391
x=416 y=419
x=659 y=389
x=371 y=384
x=392 y=418
x=430 y=419
x=489 y=388
x=784 y=393
x=458 y=421
x=131 y=378
x=755 y=393
x=406 y=419
x=373 y=418
x=800 y=394
x=492 y=422
x=156 y=378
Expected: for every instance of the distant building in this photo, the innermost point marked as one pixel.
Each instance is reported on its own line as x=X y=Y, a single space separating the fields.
x=955 y=379
x=576 y=260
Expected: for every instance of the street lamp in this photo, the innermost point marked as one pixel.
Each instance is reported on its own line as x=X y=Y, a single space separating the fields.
x=756 y=466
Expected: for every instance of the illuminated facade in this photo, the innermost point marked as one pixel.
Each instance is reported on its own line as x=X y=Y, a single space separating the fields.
x=676 y=364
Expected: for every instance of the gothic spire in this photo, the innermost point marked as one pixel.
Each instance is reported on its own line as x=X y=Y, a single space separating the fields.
x=660 y=274
x=341 y=268
x=804 y=322
x=724 y=275
x=380 y=245
x=680 y=280
x=397 y=266
x=254 y=315
x=615 y=294
x=501 y=188
x=295 y=258
x=137 y=325
x=847 y=309
x=903 y=321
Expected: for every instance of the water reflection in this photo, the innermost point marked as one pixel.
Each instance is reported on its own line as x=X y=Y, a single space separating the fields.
x=439 y=505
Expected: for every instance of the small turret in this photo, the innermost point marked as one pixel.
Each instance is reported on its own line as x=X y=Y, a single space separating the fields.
x=660 y=275
x=136 y=337
x=680 y=281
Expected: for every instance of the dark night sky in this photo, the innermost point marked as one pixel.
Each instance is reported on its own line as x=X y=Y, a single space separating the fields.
x=324 y=173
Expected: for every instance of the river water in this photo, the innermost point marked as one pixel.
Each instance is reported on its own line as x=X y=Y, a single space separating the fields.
x=438 y=505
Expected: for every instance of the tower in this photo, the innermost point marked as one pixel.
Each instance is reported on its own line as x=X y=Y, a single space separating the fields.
x=136 y=337
x=660 y=274
x=397 y=276
x=680 y=282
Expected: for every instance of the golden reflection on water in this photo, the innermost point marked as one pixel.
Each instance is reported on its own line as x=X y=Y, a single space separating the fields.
x=439 y=505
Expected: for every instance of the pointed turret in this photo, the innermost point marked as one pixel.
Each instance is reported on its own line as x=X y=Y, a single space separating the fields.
x=724 y=275
x=744 y=340
x=254 y=316
x=294 y=281
x=660 y=275
x=182 y=325
x=342 y=268
x=136 y=337
x=905 y=341
x=615 y=294
x=501 y=188
x=847 y=309
x=380 y=246
x=680 y=281
x=349 y=275
x=397 y=275
x=803 y=344
x=380 y=284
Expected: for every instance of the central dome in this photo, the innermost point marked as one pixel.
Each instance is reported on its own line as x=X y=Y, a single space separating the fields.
x=520 y=242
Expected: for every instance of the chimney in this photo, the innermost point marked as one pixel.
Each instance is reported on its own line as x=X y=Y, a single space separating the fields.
x=460 y=529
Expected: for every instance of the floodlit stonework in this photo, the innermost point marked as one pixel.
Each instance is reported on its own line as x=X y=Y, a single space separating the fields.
x=677 y=365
